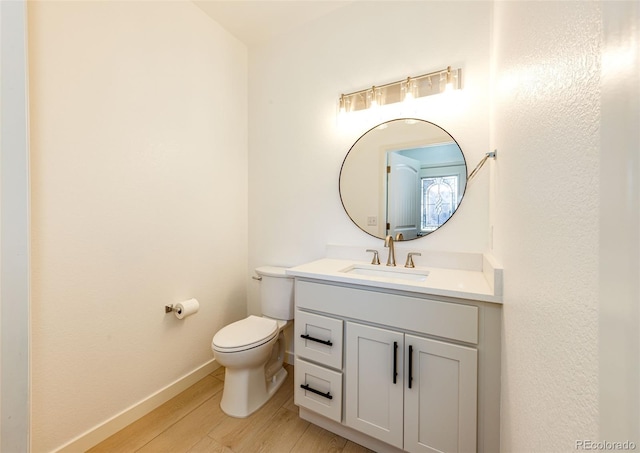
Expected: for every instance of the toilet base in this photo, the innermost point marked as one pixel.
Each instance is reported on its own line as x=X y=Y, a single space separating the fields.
x=276 y=382
x=246 y=391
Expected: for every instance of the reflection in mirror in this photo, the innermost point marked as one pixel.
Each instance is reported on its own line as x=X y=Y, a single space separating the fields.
x=404 y=176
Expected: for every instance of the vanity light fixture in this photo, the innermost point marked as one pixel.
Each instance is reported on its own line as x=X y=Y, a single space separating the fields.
x=405 y=90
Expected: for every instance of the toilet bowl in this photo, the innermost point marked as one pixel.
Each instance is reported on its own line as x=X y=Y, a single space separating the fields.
x=252 y=349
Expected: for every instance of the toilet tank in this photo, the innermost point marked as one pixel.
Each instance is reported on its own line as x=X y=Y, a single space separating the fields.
x=276 y=292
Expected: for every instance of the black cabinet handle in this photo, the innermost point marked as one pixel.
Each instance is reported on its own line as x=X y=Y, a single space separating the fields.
x=395 y=361
x=307 y=337
x=410 y=365
x=327 y=395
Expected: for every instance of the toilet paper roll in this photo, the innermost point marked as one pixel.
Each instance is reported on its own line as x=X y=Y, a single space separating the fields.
x=186 y=308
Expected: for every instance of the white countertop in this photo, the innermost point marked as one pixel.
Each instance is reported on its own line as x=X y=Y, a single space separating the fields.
x=463 y=284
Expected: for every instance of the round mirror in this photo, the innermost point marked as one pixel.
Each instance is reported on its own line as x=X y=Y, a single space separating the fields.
x=403 y=178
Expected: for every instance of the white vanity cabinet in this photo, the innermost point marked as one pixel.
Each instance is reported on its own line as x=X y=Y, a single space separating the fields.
x=405 y=372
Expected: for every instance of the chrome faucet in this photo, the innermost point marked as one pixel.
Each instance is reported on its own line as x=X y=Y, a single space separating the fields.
x=391 y=259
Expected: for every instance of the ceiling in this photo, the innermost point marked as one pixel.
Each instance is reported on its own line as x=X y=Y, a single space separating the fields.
x=255 y=21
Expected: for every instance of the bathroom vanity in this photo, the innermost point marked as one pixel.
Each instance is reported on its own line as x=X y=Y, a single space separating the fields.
x=400 y=359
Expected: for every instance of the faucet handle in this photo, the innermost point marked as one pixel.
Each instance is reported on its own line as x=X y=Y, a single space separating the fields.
x=375 y=259
x=409 y=262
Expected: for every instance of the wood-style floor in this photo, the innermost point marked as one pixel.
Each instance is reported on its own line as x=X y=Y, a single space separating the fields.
x=193 y=422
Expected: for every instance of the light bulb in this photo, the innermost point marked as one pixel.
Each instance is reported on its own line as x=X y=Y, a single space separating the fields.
x=342 y=105
x=449 y=86
x=373 y=98
x=341 y=115
x=409 y=89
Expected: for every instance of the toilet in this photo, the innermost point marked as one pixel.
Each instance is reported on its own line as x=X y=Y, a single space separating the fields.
x=252 y=349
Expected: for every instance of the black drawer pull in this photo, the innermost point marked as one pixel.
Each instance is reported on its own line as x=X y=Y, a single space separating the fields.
x=327 y=395
x=307 y=337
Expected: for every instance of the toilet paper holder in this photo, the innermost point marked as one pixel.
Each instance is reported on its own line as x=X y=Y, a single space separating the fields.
x=183 y=309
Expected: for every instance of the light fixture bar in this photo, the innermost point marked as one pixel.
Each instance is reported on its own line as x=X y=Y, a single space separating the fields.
x=390 y=93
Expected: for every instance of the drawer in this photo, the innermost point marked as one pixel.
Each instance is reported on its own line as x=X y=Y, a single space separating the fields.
x=318 y=389
x=319 y=339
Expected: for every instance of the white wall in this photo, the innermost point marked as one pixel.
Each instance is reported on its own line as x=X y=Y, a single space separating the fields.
x=296 y=147
x=14 y=229
x=546 y=229
x=619 y=282
x=139 y=199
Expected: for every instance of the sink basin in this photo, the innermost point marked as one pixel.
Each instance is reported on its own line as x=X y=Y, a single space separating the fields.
x=414 y=275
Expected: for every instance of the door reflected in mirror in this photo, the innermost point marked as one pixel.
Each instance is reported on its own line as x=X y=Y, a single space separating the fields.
x=405 y=176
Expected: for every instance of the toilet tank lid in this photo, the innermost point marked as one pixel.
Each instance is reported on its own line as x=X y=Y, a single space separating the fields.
x=272 y=271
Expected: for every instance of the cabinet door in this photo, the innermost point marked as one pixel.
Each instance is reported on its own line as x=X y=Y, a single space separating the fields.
x=440 y=407
x=373 y=401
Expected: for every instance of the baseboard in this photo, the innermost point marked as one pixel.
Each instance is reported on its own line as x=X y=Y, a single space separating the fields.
x=289 y=357
x=96 y=435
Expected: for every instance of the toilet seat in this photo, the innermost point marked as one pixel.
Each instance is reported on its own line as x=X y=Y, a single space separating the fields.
x=245 y=334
